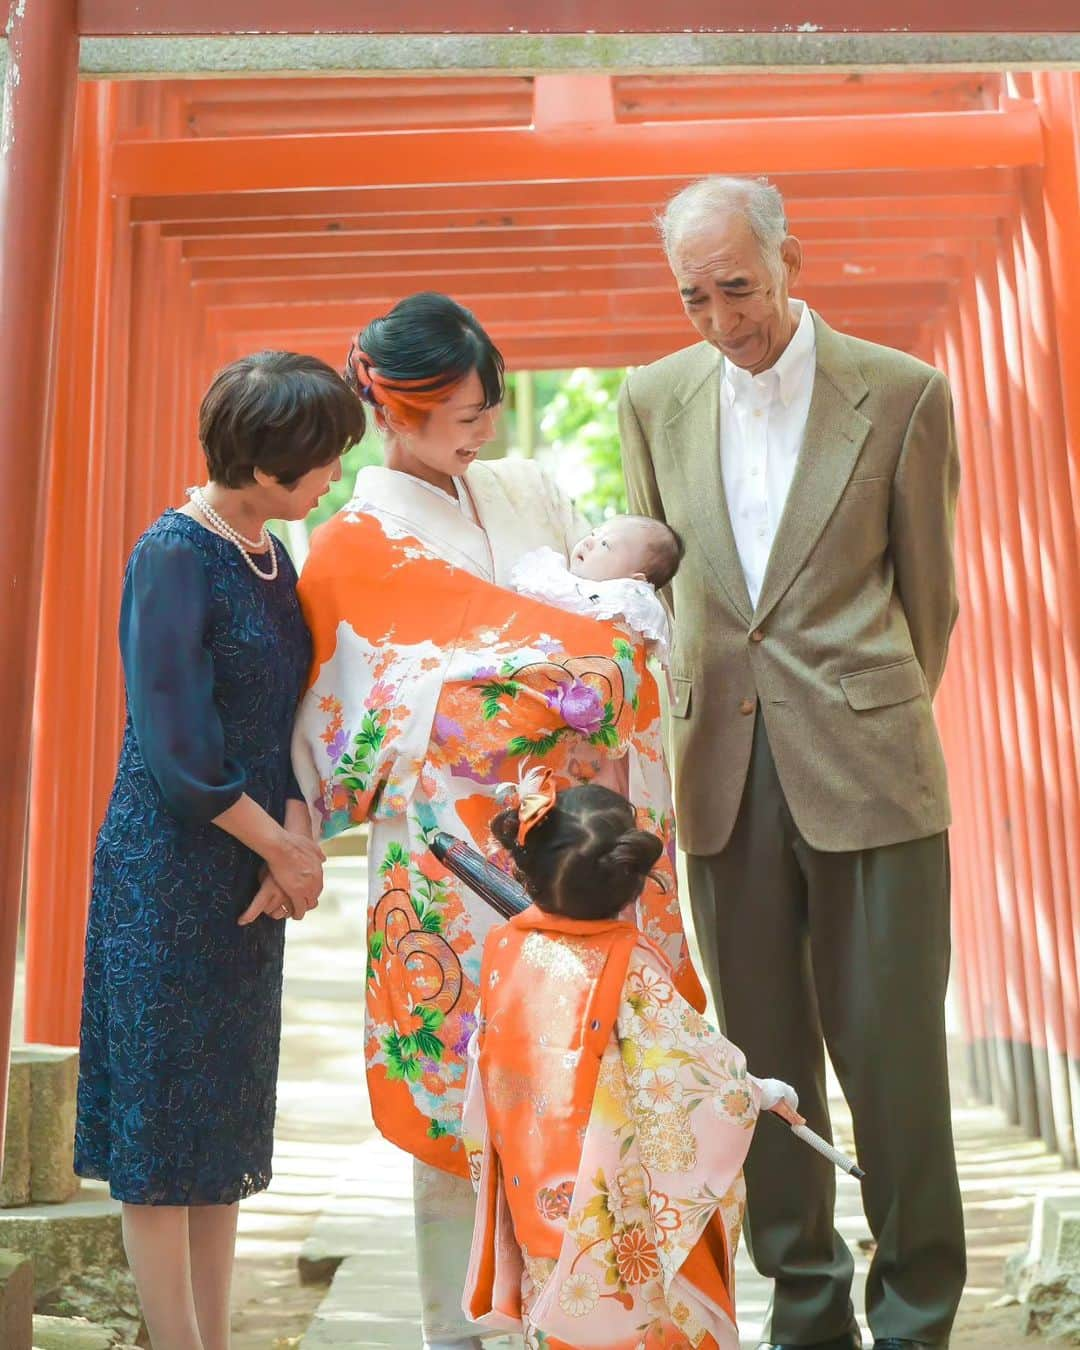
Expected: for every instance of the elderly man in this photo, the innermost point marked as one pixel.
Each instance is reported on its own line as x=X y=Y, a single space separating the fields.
x=813 y=477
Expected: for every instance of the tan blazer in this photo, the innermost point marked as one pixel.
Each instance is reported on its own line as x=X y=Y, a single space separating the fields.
x=847 y=645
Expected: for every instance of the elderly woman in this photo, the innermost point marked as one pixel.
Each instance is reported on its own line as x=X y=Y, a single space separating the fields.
x=205 y=842
x=431 y=685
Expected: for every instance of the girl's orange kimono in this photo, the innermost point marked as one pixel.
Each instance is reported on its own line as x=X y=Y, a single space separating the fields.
x=431 y=685
x=606 y=1124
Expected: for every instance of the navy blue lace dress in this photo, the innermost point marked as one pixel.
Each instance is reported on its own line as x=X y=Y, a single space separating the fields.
x=181 y=1006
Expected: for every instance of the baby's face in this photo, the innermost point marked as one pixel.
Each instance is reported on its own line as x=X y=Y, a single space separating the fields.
x=618 y=548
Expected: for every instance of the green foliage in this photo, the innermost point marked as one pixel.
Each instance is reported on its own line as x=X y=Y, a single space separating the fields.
x=580 y=422
x=364 y=452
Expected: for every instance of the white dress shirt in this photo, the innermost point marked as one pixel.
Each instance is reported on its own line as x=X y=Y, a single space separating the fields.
x=762 y=424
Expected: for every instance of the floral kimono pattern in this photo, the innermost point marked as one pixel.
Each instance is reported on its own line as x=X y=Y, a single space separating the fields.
x=429 y=687
x=606 y=1143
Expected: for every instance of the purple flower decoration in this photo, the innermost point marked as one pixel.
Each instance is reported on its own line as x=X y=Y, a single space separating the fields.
x=336 y=748
x=579 y=706
x=430 y=1066
x=446 y=729
x=468 y=1026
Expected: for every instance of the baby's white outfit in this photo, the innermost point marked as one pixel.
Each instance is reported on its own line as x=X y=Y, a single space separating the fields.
x=544 y=575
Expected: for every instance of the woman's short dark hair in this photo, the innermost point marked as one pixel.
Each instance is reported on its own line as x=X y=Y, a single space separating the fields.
x=586 y=859
x=279 y=412
x=411 y=359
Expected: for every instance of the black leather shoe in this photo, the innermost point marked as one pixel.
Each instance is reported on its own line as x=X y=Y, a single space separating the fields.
x=850 y=1340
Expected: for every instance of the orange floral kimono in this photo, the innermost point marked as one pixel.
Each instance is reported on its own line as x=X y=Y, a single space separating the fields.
x=429 y=687
x=606 y=1124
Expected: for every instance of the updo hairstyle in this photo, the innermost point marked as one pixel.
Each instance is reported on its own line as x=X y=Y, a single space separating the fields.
x=407 y=361
x=586 y=859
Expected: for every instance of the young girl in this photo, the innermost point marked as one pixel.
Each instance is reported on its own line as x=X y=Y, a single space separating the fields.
x=606 y=1121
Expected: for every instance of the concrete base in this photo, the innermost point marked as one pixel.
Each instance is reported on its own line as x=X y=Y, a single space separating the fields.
x=63 y=1240
x=15 y=1181
x=40 y=1128
x=1046 y=1279
x=54 y=1087
x=16 y=1301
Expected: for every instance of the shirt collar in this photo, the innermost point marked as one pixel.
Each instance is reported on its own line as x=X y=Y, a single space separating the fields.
x=786 y=375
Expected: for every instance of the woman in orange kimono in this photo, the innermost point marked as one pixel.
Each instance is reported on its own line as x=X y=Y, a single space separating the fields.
x=431 y=683
x=606 y=1121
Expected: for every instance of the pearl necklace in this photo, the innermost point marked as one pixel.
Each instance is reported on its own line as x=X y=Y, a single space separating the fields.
x=245 y=545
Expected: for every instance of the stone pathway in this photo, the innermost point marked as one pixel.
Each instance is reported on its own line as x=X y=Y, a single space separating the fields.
x=330 y=1158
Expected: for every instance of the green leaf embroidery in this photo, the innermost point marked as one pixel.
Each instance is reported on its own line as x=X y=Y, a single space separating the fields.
x=542 y=745
x=607 y=736
x=396 y=855
x=423 y=1043
x=401 y=1063
x=492 y=695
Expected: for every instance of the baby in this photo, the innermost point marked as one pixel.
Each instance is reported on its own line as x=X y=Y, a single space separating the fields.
x=614 y=572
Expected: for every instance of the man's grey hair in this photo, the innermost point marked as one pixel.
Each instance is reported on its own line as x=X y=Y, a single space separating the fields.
x=754 y=198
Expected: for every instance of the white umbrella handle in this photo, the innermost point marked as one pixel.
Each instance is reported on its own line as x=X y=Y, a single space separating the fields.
x=834 y=1155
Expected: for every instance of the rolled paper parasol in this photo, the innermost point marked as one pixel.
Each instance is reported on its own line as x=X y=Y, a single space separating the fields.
x=491 y=883
x=507 y=898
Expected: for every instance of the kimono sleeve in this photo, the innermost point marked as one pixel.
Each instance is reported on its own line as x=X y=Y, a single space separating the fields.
x=169 y=672
x=677 y=1063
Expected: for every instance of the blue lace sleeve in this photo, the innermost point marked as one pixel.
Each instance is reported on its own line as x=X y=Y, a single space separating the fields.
x=170 y=679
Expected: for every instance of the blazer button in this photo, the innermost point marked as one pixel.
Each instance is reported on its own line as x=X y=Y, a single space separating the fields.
x=757 y=635
x=746 y=707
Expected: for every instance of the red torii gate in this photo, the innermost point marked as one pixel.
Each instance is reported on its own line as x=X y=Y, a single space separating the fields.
x=936 y=210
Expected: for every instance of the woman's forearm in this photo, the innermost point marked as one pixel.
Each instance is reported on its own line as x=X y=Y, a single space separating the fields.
x=246 y=821
x=298 y=817
x=294 y=859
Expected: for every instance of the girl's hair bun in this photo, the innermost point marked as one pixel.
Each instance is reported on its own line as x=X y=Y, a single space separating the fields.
x=505 y=828
x=633 y=854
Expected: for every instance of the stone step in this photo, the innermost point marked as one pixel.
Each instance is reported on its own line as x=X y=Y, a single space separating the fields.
x=364 y=1241
x=370 y=1212
x=74 y=1333
x=63 y=1240
x=1046 y=1278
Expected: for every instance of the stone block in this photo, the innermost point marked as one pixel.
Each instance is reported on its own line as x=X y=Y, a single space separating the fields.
x=54 y=1086
x=63 y=1240
x=1047 y=1279
x=16 y=1300
x=15 y=1180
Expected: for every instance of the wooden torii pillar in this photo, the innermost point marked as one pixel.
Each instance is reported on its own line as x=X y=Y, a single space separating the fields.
x=35 y=145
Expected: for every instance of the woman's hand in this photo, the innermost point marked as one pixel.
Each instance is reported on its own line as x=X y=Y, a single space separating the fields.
x=295 y=864
x=269 y=899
